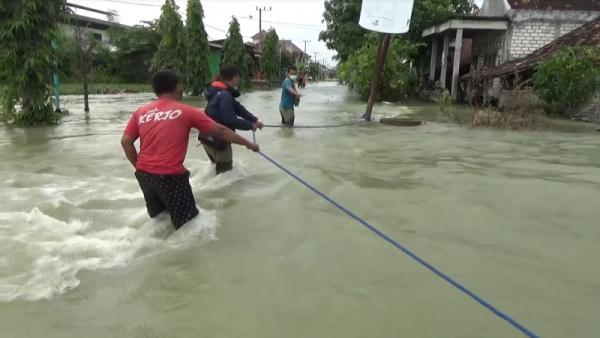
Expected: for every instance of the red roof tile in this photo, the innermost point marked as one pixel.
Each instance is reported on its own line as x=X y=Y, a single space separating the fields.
x=561 y=5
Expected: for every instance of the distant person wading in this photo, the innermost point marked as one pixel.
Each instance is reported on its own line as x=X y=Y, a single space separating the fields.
x=289 y=98
x=225 y=109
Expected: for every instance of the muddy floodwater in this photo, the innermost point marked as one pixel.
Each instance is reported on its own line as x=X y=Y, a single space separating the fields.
x=515 y=216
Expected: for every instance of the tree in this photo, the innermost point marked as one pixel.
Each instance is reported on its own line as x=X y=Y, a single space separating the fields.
x=85 y=47
x=27 y=59
x=234 y=52
x=197 y=71
x=135 y=48
x=568 y=79
x=170 y=50
x=429 y=12
x=399 y=79
x=343 y=34
x=270 y=57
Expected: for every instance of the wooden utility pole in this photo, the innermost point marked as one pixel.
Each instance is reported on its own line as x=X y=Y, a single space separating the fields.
x=304 y=56
x=260 y=10
x=316 y=67
x=382 y=51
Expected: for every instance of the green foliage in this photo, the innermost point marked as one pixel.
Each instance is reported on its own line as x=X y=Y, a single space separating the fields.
x=135 y=48
x=429 y=12
x=250 y=67
x=399 y=79
x=197 y=71
x=270 y=57
x=343 y=34
x=27 y=59
x=170 y=50
x=234 y=52
x=568 y=79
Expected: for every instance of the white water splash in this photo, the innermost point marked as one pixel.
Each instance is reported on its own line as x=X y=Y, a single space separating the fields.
x=42 y=255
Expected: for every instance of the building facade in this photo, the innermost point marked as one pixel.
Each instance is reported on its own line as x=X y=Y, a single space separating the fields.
x=502 y=31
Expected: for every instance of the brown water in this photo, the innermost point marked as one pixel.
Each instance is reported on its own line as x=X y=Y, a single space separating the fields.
x=512 y=215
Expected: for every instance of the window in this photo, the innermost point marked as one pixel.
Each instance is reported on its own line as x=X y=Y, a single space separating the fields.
x=97 y=36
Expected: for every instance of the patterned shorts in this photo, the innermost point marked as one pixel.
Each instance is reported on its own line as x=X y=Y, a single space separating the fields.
x=171 y=193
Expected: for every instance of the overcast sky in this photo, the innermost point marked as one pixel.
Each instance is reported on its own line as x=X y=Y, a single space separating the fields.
x=293 y=19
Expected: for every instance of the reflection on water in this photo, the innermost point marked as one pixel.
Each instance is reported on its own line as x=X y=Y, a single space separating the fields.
x=512 y=215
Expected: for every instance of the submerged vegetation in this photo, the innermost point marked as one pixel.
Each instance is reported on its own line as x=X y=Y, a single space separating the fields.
x=521 y=113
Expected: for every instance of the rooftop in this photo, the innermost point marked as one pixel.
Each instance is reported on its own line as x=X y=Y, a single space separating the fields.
x=469 y=22
x=87 y=21
x=559 y=5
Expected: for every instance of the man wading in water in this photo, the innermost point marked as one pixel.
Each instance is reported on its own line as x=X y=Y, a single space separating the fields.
x=289 y=98
x=225 y=109
x=163 y=127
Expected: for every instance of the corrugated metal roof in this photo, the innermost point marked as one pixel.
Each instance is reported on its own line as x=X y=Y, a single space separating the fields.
x=559 y=5
x=586 y=35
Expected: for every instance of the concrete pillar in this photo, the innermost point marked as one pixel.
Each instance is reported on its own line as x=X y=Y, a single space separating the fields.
x=445 y=60
x=456 y=67
x=433 y=64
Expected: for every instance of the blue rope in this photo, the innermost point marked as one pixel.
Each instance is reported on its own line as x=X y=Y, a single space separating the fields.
x=406 y=250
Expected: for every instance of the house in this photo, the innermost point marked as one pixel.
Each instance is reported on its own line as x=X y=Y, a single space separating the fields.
x=502 y=31
x=97 y=28
x=286 y=47
x=289 y=49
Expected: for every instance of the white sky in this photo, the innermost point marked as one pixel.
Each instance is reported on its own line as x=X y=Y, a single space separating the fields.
x=297 y=20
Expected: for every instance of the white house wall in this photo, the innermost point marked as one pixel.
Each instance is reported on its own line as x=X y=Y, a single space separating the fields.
x=103 y=33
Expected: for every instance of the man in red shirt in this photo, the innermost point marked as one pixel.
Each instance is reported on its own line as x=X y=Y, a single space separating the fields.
x=163 y=127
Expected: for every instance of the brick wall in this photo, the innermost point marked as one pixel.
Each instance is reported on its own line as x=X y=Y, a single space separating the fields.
x=532 y=29
x=529 y=36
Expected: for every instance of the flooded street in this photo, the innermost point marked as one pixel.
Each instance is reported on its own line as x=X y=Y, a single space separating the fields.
x=512 y=215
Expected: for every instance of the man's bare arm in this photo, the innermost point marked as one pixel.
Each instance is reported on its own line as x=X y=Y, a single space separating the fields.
x=127 y=142
x=228 y=135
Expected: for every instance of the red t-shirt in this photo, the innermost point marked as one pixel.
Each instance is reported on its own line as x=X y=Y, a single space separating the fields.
x=163 y=127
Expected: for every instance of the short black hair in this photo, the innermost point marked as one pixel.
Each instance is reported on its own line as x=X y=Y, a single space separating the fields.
x=165 y=81
x=227 y=72
x=292 y=68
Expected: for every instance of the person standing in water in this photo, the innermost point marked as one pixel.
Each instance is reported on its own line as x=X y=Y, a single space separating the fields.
x=163 y=127
x=225 y=109
x=289 y=98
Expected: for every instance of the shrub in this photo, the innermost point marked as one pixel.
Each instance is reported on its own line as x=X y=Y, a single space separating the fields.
x=568 y=79
x=399 y=79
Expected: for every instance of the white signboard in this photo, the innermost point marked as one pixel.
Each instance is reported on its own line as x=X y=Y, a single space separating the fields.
x=386 y=16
